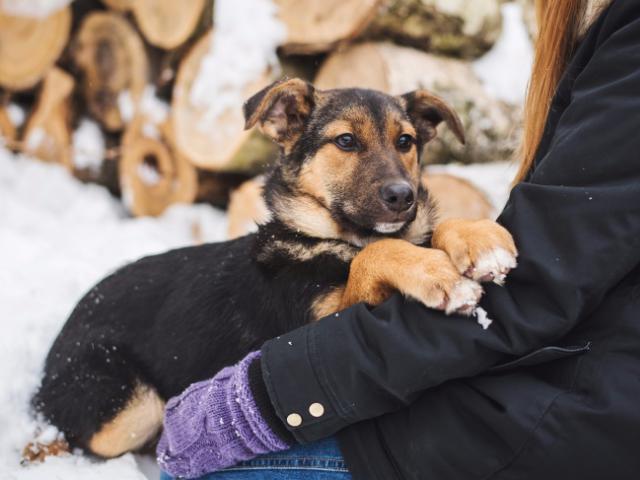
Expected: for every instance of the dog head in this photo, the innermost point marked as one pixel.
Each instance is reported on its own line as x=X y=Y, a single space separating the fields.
x=349 y=166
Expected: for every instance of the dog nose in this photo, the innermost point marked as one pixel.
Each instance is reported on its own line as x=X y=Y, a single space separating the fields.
x=397 y=196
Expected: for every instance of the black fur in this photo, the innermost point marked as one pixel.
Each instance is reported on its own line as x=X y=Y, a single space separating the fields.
x=172 y=319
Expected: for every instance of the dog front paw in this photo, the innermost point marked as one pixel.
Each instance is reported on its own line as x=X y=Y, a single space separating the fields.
x=464 y=297
x=481 y=250
x=492 y=266
x=423 y=274
x=434 y=281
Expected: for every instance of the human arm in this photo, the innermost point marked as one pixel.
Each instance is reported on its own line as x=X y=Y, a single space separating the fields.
x=576 y=223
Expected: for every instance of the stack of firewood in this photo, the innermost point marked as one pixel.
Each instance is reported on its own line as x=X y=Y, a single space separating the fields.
x=105 y=87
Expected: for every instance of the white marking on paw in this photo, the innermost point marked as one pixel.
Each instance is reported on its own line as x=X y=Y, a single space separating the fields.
x=464 y=295
x=483 y=317
x=495 y=264
x=388 y=227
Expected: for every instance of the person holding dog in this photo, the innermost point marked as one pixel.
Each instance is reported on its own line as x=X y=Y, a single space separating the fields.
x=550 y=390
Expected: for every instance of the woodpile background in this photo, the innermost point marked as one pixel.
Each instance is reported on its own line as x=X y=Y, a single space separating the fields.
x=104 y=88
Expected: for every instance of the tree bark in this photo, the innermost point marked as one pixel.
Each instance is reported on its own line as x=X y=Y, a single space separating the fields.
x=461 y=29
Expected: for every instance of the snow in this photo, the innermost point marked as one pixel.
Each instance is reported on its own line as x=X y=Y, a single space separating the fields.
x=126 y=106
x=48 y=435
x=35 y=138
x=482 y=317
x=16 y=114
x=88 y=146
x=149 y=105
x=243 y=47
x=148 y=174
x=32 y=8
x=506 y=68
x=152 y=107
x=57 y=238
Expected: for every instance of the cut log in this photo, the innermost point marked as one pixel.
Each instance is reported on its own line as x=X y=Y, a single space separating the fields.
x=47 y=134
x=247 y=209
x=315 y=27
x=491 y=126
x=457 y=197
x=153 y=175
x=456 y=28
x=112 y=59
x=221 y=143
x=167 y=23
x=7 y=129
x=30 y=46
x=119 y=5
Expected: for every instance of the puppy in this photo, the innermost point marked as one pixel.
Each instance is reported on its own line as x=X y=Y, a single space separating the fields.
x=350 y=222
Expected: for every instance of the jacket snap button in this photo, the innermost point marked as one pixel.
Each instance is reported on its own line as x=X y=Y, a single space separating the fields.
x=316 y=410
x=294 y=420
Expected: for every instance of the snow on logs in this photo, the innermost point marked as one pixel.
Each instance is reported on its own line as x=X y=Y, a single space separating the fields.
x=215 y=140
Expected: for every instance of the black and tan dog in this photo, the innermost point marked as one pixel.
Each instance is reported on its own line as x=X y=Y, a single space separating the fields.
x=350 y=223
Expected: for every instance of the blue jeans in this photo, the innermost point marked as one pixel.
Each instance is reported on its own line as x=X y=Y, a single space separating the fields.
x=317 y=461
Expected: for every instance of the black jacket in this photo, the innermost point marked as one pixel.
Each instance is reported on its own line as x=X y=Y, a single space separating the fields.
x=552 y=389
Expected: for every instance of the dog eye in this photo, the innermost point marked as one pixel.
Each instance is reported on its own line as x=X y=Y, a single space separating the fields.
x=346 y=142
x=404 y=142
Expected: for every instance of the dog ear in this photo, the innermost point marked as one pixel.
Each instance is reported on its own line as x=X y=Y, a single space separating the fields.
x=427 y=111
x=281 y=109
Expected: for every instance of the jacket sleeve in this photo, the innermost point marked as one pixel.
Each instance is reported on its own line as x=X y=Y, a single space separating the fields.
x=576 y=222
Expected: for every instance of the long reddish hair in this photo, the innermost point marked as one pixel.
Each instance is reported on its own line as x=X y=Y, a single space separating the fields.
x=559 y=24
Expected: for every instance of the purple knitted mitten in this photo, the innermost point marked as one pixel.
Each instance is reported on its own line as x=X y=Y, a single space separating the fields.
x=215 y=424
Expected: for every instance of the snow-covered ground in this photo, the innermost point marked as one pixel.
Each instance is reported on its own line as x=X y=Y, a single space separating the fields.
x=57 y=238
